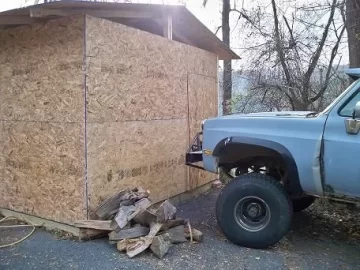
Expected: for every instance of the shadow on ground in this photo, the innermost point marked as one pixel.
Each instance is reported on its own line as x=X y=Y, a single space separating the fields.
x=321 y=238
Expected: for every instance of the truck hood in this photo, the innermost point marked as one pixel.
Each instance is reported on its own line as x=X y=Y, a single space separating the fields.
x=287 y=114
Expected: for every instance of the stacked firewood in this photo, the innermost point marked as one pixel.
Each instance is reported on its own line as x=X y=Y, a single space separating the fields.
x=135 y=225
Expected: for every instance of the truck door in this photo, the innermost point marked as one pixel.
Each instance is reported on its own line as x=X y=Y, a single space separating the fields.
x=341 y=159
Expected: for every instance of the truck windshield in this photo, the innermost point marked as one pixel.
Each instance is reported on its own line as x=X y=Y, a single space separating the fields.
x=328 y=108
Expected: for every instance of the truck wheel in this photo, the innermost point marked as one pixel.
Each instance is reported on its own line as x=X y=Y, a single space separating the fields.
x=254 y=211
x=302 y=203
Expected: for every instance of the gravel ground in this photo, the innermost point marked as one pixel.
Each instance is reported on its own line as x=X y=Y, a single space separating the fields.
x=323 y=237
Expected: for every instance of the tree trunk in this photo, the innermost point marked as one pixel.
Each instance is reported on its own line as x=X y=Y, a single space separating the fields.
x=227 y=79
x=353 y=30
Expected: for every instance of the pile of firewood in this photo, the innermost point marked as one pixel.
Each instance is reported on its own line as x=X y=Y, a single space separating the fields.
x=135 y=225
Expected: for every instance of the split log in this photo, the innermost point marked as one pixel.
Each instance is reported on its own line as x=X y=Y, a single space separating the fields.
x=135 y=248
x=132 y=197
x=142 y=243
x=125 y=197
x=160 y=245
x=121 y=245
x=110 y=206
x=128 y=233
x=145 y=218
x=127 y=213
x=196 y=234
x=166 y=211
x=177 y=234
x=172 y=223
x=103 y=225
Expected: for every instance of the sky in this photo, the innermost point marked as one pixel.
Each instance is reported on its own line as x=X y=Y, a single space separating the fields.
x=209 y=16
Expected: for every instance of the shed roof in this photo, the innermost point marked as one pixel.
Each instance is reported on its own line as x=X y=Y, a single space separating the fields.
x=185 y=27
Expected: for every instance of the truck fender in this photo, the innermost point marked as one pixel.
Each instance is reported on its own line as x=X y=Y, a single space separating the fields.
x=231 y=149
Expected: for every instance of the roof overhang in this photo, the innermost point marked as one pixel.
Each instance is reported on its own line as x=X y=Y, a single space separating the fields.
x=173 y=19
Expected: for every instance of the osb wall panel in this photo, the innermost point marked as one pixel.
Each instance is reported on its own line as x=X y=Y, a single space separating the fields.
x=202 y=62
x=137 y=111
x=133 y=75
x=42 y=119
x=202 y=105
x=44 y=169
x=149 y=154
x=40 y=75
x=138 y=90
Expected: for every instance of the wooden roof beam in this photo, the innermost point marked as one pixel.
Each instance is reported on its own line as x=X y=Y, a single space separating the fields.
x=174 y=31
x=16 y=20
x=168 y=26
x=44 y=12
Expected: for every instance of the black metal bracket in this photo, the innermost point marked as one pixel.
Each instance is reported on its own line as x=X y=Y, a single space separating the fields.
x=194 y=153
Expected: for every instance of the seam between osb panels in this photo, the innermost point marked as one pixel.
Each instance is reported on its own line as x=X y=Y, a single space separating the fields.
x=85 y=120
x=188 y=122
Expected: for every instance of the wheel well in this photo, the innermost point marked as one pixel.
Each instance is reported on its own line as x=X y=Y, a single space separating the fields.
x=275 y=158
x=240 y=153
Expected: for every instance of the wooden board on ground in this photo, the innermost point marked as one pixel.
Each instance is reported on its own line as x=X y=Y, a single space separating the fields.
x=49 y=224
x=103 y=225
x=86 y=234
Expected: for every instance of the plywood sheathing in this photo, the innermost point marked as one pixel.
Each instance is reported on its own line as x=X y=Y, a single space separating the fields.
x=202 y=105
x=40 y=75
x=202 y=63
x=138 y=106
x=137 y=153
x=133 y=75
x=42 y=119
x=137 y=111
x=137 y=125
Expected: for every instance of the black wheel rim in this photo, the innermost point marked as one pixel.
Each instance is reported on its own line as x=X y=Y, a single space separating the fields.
x=252 y=213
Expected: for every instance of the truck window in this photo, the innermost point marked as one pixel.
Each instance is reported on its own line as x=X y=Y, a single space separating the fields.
x=347 y=109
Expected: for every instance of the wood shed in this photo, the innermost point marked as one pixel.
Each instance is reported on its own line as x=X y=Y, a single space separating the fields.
x=96 y=97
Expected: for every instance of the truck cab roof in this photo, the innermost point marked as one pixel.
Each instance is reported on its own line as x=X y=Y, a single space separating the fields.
x=353 y=73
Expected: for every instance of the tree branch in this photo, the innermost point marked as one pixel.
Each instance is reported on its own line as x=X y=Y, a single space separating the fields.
x=330 y=65
x=249 y=20
x=217 y=30
x=279 y=47
x=315 y=58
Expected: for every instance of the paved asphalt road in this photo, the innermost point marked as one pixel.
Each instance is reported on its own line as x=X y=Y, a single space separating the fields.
x=301 y=249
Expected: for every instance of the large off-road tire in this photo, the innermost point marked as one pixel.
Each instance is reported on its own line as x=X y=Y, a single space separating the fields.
x=254 y=211
x=302 y=203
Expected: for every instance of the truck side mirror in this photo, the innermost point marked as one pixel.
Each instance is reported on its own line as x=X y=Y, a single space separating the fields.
x=353 y=124
x=356 y=112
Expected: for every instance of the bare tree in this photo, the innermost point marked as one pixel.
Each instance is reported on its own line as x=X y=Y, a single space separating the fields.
x=227 y=78
x=295 y=54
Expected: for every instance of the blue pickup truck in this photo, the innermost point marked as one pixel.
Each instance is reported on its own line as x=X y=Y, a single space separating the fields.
x=279 y=162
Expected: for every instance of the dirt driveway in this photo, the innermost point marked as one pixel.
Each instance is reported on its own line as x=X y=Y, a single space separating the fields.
x=320 y=239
